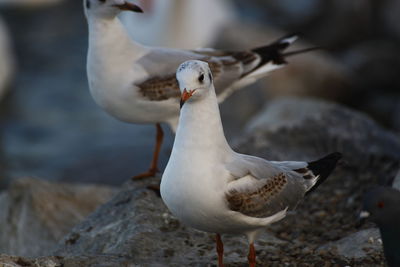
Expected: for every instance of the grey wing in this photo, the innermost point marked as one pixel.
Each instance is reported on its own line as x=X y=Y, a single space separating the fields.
x=161 y=64
x=263 y=188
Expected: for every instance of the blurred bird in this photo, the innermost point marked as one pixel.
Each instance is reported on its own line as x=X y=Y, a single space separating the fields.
x=210 y=187
x=137 y=83
x=170 y=22
x=382 y=206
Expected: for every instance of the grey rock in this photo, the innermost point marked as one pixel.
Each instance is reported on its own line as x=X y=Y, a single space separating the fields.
x=51 y=261
x=355 y=245
x=136 y=225
x=35 y=214
x=303 y=128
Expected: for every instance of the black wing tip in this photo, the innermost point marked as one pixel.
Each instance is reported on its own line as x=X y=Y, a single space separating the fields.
x=323 y=167
x=274 y=51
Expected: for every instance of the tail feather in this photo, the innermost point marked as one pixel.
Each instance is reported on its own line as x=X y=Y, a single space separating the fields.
x=323 y=167
x=273 y=52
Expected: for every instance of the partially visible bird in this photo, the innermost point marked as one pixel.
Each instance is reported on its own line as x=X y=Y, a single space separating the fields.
x=137 y=84
x=170 y=22
x=382 y=206
x=210 y=187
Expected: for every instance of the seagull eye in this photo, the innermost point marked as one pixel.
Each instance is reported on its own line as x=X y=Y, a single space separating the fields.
x=201 y=78
x=380 y=204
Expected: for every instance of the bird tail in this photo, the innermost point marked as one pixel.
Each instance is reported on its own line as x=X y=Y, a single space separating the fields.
x=273 y=52
x=273 y=56
x=323 y=168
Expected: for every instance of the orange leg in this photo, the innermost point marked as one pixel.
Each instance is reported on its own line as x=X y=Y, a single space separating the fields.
x=153 y=167
x=252 y=256
x=220 y=250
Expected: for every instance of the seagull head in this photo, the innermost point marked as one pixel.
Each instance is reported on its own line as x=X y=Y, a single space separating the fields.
x=381 y=205
x=108 y=8
x=195 y=80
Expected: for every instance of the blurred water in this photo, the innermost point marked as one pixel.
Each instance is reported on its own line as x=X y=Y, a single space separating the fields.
x=51 y=128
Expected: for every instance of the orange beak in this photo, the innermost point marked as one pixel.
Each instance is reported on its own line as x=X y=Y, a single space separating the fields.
x=186 y=95
x=130 y=7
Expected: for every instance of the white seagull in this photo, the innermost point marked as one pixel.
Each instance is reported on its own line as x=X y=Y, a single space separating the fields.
x=212 y=188
x=137 y=84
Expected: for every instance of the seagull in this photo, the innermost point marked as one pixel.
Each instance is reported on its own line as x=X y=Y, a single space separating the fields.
x=210 y=187
x=170 y=22
x=381 y=205
x=136 y=83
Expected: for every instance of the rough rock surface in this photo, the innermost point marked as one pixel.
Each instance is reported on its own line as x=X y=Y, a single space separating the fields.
x=136 y=227
x=302 y=128
x=357 y=245
x=35 y=214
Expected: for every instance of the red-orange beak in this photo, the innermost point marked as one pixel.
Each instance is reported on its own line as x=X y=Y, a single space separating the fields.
x=129 y=7
x=186 y=95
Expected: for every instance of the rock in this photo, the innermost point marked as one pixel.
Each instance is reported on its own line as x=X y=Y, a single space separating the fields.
x=7 y=63
x=301 y=128
x=136 y=225
x=83 y=261
x=35 y=214
x=357 y=245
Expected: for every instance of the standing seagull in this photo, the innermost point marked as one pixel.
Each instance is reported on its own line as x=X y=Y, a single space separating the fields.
x=210 y=187
x=137 y=84
x=381 y=204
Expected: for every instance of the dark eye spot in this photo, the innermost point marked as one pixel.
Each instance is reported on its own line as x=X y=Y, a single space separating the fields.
x=209 y=76
x=381 y=204
x=201 y=78
x=87 y=4
x=103 y=1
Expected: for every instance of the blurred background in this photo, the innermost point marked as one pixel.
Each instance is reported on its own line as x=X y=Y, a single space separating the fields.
x=51 y=128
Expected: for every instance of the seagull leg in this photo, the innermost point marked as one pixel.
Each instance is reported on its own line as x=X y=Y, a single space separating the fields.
x=153 y=167
x=220 y=250
x=252 y=255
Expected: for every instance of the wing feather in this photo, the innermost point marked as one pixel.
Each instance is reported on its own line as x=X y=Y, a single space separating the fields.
x=228 y=68
x=262 y=188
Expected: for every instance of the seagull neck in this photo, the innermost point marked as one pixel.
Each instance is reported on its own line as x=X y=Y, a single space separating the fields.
x=109 y=33
x=200 y=124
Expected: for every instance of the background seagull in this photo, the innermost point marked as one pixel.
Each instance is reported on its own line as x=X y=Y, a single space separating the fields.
x=170 y=22
x=137 y=83
x=210 y=187
x=381 y=205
